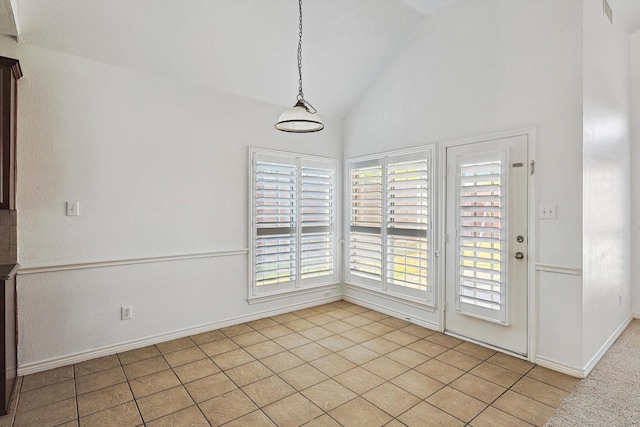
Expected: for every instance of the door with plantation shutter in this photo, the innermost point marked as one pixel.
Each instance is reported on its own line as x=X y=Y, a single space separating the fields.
x=486 y=242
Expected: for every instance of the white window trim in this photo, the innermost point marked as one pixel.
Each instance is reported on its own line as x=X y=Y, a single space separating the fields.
x=433 y=249
x=332 y=282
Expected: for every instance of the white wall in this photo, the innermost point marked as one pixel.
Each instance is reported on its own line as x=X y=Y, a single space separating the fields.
x=480 y=67
x=606 y=182
x=635 y=170
x=160 y=169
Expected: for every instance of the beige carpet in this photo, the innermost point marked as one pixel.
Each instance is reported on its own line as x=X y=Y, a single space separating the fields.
x=610 y=395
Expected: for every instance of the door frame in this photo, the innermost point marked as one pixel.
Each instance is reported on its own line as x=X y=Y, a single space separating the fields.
x=530 y=133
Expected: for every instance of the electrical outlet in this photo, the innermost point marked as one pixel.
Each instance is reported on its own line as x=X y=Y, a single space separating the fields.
x=126 y=312
x=547 y=212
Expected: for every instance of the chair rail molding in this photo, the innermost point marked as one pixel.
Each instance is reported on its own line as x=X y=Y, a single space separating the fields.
x=35 y=269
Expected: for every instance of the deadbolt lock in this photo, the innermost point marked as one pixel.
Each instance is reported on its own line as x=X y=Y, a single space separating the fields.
x=520 y=239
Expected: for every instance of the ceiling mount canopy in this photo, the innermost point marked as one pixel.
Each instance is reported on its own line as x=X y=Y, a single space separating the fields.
x=302 y=117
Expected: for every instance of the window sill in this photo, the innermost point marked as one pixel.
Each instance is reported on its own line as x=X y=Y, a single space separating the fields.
x=272 y=296
x=404 y=299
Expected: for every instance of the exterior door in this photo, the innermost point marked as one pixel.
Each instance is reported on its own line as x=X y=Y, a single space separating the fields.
x=486 y=242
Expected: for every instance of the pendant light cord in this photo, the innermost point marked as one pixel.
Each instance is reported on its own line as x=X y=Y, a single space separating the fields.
x=300 y=94
x=308 y=106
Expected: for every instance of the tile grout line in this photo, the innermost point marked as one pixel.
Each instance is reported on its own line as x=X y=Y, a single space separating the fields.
x=75 y=389
x=135 y=399
x=237 y=386
x=183 y=385
x=17 y=391
x=274 y=374
x=282 y=379
x=338 y=332
x=467 y=371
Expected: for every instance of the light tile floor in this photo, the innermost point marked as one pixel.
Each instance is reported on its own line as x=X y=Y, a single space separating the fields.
x=338 y=364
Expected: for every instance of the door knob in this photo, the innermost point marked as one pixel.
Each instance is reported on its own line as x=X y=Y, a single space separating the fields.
x=519 y=255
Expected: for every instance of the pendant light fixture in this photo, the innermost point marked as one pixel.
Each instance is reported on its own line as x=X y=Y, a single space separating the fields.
x=302 y=117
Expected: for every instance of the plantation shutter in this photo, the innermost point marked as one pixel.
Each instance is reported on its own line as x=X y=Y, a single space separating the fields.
x=275 y=221
x=365 y=237
x=317 y=245
x=293 y=242
x=407 y=223
x=481 y=207
x=390 y=224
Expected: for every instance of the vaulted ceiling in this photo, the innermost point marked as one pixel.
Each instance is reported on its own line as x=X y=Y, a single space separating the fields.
x=244 y=47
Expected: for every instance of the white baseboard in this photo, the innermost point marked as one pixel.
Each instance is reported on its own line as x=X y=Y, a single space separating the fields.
x=393 y=297
x=554 y=365
x=584 y=372
x=607 y=345
x=400 y=315
x=489 y=346
x=44 y=365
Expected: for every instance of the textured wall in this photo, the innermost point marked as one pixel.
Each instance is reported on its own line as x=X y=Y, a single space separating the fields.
x=480 y=67
x=635 y=170
x=160 y=169
x=607 y=179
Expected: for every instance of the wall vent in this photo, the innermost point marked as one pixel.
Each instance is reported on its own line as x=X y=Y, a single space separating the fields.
x=606 y=9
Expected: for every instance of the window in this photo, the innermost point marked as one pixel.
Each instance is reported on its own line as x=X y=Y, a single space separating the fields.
x=293 y=241
x=390 y=214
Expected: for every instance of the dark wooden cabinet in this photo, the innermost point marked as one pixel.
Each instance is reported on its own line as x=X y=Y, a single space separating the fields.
x=8 y=341
x=10 y=72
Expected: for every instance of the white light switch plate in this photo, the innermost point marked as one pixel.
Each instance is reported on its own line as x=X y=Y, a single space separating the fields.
x=126 y=312
x=548 y=212
x=73 y=208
